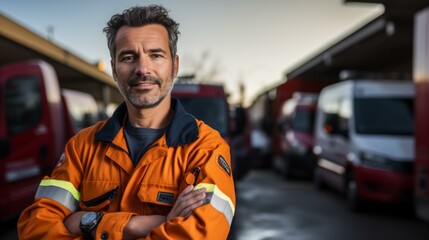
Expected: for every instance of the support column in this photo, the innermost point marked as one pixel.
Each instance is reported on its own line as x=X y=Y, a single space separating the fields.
x=106 y=97
x=421 y=110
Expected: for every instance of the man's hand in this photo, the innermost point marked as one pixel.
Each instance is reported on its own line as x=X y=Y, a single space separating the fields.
x=140 y=226
x=72 y=222
x=187 y=202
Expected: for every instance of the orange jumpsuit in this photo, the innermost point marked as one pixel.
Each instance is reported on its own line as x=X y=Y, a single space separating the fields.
x=96 y=174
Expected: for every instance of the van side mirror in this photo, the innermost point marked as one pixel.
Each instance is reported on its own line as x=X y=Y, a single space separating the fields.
x=332 y=126
x=328 y=128
x=4 y=147
x=331 y=123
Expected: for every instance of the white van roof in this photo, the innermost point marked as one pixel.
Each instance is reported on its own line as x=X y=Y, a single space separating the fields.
x=372 y=88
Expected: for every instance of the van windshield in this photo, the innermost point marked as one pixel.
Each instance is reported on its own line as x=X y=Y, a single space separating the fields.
x=388 y=116
x=303 y=121
x=213 y=111
x=23 y=104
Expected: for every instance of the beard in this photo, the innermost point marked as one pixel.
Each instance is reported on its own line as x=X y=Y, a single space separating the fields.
x=142 y=99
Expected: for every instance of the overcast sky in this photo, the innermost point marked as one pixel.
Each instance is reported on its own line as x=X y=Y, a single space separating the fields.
x=252 y=41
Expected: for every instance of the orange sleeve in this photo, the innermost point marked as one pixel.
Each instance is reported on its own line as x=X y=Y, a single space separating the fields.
x=212 y=220
x=112 y=225
x=44 y=220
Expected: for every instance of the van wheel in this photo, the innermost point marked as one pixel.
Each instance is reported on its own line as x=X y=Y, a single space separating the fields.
x=276 y=163
x=317 y=179
x=287 y=171
x=352 y=195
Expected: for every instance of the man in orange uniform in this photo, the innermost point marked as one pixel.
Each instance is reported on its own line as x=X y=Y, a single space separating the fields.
x=151 y=171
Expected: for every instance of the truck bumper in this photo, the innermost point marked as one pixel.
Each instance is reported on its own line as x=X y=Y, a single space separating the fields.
x=383 y=186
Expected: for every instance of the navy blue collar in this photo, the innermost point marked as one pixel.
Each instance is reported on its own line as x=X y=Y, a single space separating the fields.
x=182 y=130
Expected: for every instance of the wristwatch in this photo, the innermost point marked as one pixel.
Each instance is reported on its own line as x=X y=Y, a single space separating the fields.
x=88 y=222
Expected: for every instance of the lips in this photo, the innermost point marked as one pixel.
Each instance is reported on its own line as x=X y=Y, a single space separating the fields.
x=143 y=86
x=144 y=81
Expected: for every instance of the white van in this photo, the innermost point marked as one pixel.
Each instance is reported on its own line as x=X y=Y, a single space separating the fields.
x=364 y=140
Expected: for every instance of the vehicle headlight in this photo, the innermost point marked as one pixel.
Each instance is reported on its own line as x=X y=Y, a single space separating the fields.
x=317 y=150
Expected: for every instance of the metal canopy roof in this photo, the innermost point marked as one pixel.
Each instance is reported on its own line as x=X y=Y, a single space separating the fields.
x=383 y=45
x=19 y=44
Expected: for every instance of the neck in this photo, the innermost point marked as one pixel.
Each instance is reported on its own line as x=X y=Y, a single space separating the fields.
x=157 y=117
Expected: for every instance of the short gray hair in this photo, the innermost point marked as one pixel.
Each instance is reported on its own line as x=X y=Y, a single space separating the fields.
x=140 y=16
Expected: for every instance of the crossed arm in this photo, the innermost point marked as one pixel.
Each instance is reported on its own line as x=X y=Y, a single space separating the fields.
x=140 y=226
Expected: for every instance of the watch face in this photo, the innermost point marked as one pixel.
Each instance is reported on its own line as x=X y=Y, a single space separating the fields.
x=88 y=218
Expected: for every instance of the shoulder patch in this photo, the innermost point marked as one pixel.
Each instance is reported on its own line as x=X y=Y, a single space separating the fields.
x=222 y=163
x=62 y=160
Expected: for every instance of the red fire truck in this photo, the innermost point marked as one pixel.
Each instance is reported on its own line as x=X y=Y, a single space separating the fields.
x=34 y=126
x=208 y=102
x=265 y=112
x=296 y=128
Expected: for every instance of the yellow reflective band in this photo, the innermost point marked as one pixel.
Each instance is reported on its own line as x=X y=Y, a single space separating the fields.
x=68 y=186
x=216 y=191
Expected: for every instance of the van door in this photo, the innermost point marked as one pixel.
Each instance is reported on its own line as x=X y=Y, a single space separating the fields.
x=24 y=135
x=334 y=141
x=342 y=143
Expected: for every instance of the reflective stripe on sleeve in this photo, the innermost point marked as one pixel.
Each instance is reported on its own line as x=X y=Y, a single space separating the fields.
x=61 y=191
x=219 y=200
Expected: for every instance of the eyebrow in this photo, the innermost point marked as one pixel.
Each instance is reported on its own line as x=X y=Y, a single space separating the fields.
x=124 y=52
x=156 y=50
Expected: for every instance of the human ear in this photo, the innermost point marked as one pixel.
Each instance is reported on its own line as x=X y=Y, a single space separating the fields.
x=176 y=66
x=112 y=64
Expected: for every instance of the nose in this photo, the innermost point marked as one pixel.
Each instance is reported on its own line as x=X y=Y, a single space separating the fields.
x=142 y=66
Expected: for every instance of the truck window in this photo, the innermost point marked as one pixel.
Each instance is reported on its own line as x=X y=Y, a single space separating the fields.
x=344 y=113
x=329 y=105
x=390 y=116
x=82 y=108
x=213 y=111
x=23 y=104
x=303 y=120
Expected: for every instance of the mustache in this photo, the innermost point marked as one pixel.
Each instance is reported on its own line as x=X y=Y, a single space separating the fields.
x=138 y=79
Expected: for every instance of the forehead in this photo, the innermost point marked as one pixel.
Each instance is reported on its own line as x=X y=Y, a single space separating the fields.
x=148 y=36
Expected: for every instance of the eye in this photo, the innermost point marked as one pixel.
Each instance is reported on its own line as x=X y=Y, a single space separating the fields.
x=127 y=58
x=155 y=55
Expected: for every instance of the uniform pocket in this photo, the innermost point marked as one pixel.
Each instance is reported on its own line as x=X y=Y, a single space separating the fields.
x=97 y=195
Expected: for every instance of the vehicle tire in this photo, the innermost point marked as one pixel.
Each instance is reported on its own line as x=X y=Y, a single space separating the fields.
x=276 y=162
x=317 y=179
x=240 y=168
x=287 y=170
x=352 y=193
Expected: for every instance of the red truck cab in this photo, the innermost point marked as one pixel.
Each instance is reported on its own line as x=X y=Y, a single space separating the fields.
x=36 y=120
x=208 y=102
x=32 y=131
x=205 y=102
x=265 y=111
x=295 y=123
